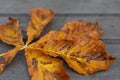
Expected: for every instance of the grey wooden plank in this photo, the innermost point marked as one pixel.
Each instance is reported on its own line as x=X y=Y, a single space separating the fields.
x=61 y=6
x=17 y=70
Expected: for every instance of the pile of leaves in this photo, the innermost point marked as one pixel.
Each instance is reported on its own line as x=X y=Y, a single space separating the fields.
x=77 y=43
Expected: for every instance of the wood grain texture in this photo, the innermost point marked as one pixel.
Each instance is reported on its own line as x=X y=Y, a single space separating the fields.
x=61 y=6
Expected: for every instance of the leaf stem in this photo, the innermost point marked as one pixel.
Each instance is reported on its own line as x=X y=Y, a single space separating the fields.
x=25 y=46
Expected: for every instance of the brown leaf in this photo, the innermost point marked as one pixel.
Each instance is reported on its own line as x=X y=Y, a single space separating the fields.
x=39 y=19
x=44 y=67
x=11 y=33
x=7 y=58
x=78 y=43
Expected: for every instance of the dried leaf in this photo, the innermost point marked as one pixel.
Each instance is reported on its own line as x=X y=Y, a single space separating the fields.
x=44 y=67
x=78 y=43
x=11 y=33
x=7 y=58
x=39 y=19
x=76 y=29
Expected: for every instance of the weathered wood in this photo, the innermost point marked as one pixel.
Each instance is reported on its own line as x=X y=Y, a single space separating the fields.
x=61 y=6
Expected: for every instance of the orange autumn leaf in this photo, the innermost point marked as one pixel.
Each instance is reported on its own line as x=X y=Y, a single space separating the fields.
x=39 y=19
x=44 y=67
x=11 y=33
x=79 y=45
x=76 y=29
x=7 y=58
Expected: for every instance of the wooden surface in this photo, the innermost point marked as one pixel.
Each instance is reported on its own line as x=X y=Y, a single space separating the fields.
x=17 y=70
x=61 y=6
